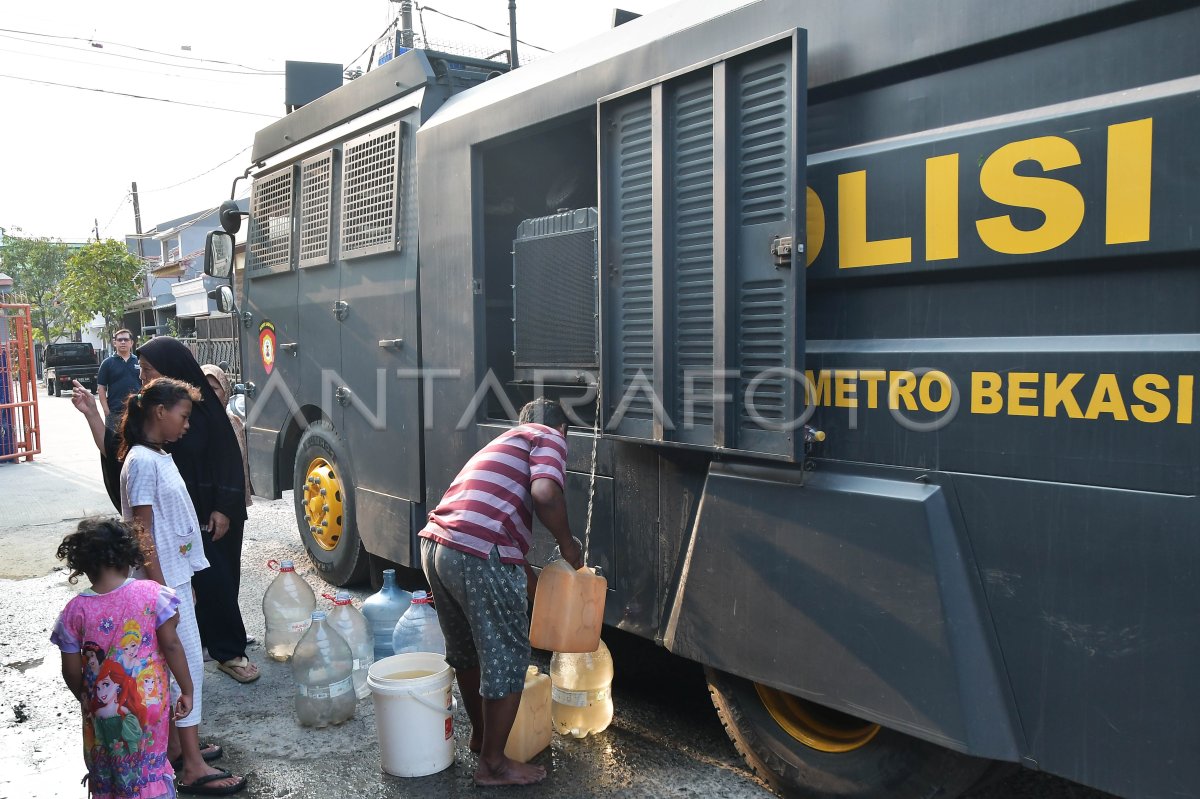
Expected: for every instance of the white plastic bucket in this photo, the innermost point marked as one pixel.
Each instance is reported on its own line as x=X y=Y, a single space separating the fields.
x=413 y=717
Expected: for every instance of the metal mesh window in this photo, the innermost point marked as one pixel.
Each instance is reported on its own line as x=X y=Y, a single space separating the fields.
x=270 y=239
x=316 y=201
x=370 y=178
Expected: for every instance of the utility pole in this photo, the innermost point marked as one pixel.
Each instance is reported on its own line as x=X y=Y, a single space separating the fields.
x=513 y=62
x=137 y=218
x=96 y=228
x=137 y=226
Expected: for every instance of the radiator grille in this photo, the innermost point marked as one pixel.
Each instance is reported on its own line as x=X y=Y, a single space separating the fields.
x=269 y=246
x=554 y=292
x=370 y=175
x=635 y=291
x=691 y=224
x=316 y=196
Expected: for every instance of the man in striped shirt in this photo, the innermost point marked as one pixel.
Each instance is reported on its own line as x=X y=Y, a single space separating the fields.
x=473 y=554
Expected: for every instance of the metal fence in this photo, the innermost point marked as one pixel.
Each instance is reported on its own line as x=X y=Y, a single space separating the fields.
x=20 y=429
x=221 y=351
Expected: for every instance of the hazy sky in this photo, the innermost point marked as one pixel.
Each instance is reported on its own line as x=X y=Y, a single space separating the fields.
x=70 y=155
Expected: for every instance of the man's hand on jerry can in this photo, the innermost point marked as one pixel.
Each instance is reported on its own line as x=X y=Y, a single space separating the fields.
x=572 y=552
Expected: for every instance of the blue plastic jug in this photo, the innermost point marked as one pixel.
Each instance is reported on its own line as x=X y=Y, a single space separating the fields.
x=383 y=610
x=418 y=629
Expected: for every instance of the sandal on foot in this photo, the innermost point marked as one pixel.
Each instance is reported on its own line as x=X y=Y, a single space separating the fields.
x=237 y=667
x=204 y=787
x=209 y=752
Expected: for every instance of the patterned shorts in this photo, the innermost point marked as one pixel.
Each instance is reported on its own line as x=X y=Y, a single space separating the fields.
x=481 y=605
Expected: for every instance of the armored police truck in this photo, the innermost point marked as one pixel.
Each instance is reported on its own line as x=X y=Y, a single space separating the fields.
x=878 y=322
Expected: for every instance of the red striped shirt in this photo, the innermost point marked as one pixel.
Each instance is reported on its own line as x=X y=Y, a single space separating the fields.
x=489 y=503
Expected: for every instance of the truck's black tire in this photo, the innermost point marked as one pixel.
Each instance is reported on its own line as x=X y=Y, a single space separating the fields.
x=52 y=387
x=340 y=558
x=888 y=763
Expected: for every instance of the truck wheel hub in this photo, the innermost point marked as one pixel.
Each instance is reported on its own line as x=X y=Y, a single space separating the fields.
x=323 y=504
x=816 y=726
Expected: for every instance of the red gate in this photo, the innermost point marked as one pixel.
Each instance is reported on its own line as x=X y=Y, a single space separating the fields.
x=20 y=432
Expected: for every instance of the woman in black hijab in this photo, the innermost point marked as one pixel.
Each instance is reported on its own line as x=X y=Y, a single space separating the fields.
x=210 y=461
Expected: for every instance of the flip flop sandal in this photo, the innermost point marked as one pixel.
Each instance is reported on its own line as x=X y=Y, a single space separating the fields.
x=231 y=668
x=209 y=752
x=204 y=786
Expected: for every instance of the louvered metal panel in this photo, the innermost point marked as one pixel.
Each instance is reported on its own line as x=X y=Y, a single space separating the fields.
x=316 y=209
x=269 y=241
x=370 y=192
x=633 y=320
x=701 y=173
x=761 y=121
x=691 y=262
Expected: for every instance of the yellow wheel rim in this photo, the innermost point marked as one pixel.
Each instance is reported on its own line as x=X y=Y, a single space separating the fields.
x=815 y=726
x=323 y=504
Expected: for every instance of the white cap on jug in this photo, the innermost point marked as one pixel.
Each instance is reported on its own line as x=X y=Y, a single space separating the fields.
x=287 y=566
x=341 y=598
x=421 y=597
x=318 y=615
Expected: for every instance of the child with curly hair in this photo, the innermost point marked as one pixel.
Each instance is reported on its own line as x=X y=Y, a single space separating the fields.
x=124 y=748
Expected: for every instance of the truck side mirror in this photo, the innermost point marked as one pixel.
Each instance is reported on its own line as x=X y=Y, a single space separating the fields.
x=218 y=254
x=224 y=299
x=231 y=217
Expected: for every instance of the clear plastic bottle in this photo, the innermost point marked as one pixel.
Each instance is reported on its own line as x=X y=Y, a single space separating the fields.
x=581 y=692
x=287 y=606
x=383 y=610
x=323 y=669
x=356 y=632
x=418 y=629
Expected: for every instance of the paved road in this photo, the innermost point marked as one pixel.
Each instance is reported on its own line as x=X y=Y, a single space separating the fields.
x=41 y=499
x=665 y=740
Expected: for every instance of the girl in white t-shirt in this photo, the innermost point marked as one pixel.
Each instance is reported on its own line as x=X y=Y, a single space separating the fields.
x=155 y=500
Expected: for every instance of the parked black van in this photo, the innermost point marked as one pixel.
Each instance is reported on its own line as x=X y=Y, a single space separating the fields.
x=66 y=362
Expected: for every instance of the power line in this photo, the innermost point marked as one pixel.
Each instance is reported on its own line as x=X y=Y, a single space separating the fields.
x=178 y=228
x=157 y=73
x=124 y=200
x=140 y=49
x=202 y=174
x=138 y=96
x=486 y=30
x=374 y=41
x=258 y=73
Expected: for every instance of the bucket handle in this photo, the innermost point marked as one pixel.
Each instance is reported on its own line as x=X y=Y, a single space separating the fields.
x=449 y=711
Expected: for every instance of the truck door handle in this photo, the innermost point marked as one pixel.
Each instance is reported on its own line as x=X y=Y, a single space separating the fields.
x=391 y=343
x=291 y=348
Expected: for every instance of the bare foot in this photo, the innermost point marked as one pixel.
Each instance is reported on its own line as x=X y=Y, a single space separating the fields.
x=476 y=744
x=509 y=772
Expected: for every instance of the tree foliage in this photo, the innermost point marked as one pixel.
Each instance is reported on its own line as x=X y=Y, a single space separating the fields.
x=38 y=267
x=102 y=278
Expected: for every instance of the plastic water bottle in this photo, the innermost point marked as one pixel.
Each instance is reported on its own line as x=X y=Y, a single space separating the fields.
x=323 y=668
x=287 y=606
x=418 y=629
x=383 y=610
x=581 y=692
x=356 y=632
